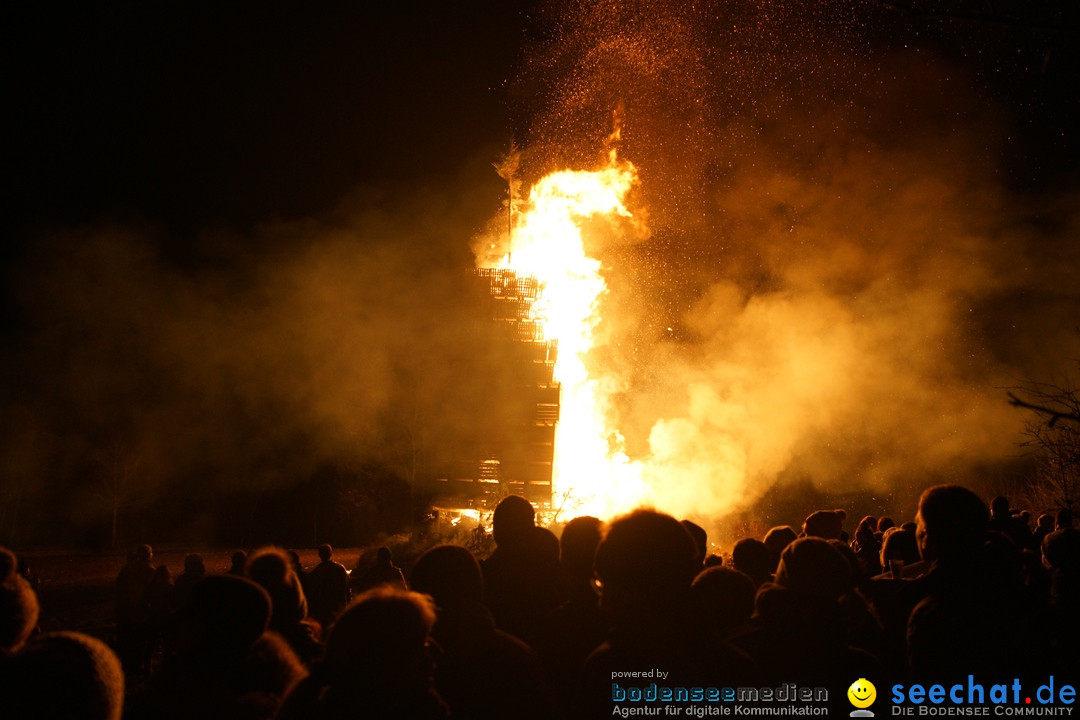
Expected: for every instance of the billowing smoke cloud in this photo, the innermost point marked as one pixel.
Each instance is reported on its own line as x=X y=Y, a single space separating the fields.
x=839 y=281
x=346 y=340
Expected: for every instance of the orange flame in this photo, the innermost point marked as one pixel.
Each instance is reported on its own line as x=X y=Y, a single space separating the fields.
x=592 y=473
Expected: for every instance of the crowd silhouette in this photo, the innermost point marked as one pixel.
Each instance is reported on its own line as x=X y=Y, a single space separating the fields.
x=538 y=628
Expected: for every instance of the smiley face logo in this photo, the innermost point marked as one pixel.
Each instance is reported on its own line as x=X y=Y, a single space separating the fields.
x=862 y=693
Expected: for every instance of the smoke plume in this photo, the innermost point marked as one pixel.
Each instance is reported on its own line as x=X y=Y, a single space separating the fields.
x=841 y=276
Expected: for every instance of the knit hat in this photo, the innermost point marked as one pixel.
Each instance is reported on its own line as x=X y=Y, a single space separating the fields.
x=18 y=604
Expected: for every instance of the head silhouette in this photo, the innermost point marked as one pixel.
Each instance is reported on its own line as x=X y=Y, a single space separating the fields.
x=813 y=567
x=512 y=521
x=899 y=545
x=225 y=613
x=578 y=544
x=18 y=604
x=951 y=523
x=1064 y=518
x=63 y=675
x=754 y=558
x=450 y=574
x=380 y=637
x=649 y=555
x=724 y=597
x=779 y=538
x=701 y=538
x=827 y=524
x=270 y=567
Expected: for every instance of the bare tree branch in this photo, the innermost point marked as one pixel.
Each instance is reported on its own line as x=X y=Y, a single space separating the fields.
x=1055 y=445
x=1054 y=415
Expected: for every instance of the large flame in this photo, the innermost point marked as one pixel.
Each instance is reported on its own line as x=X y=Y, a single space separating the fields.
x=592 y=473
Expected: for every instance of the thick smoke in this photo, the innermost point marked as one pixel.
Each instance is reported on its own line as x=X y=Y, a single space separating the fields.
x=840 y=280
x=345 y=340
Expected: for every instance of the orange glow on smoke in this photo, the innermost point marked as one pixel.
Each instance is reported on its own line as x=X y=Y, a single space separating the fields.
x=592 y=473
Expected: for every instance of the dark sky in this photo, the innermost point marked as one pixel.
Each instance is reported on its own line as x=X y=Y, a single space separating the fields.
x=187 y=114
x=195 y=113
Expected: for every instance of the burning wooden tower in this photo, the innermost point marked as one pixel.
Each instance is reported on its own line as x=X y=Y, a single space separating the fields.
x=513 y=457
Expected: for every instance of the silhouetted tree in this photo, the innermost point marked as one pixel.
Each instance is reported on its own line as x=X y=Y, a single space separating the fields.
x=1054 y=436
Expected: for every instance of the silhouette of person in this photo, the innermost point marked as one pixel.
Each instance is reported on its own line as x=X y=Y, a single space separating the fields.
x=1061 y=556
x=779 y=538
x=271 y=568
x=577 y=626
x=701 y=538
x=225 y=663
x=483 y=672
x=970 y=616
x=194 y=571
x=826 y=524
x=521 y=577
x=644 y=569
x=378 y=663
x=158 y=601
x=479 y=541
x=62 y=675
x=801 y=626
x=18 y=605
x=900 y=553
x=237 y=563
x=1043 y=527
x=133 y=633
x=724 y=601
x=1007 y=522
x=1060 y=548
x=867 y=547
x=383 y=572
x=328 y=587
x=754 y=559
x=298 y=568
x=890 y=597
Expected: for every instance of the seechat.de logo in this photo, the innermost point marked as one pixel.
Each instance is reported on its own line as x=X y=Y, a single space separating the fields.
x=862 y=695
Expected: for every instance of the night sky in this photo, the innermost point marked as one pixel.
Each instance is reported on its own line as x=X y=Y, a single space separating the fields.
x=234 y=231
x=236 y=113
x=198 y=113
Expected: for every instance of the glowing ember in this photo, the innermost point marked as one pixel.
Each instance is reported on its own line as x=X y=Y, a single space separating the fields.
x=592 y=474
